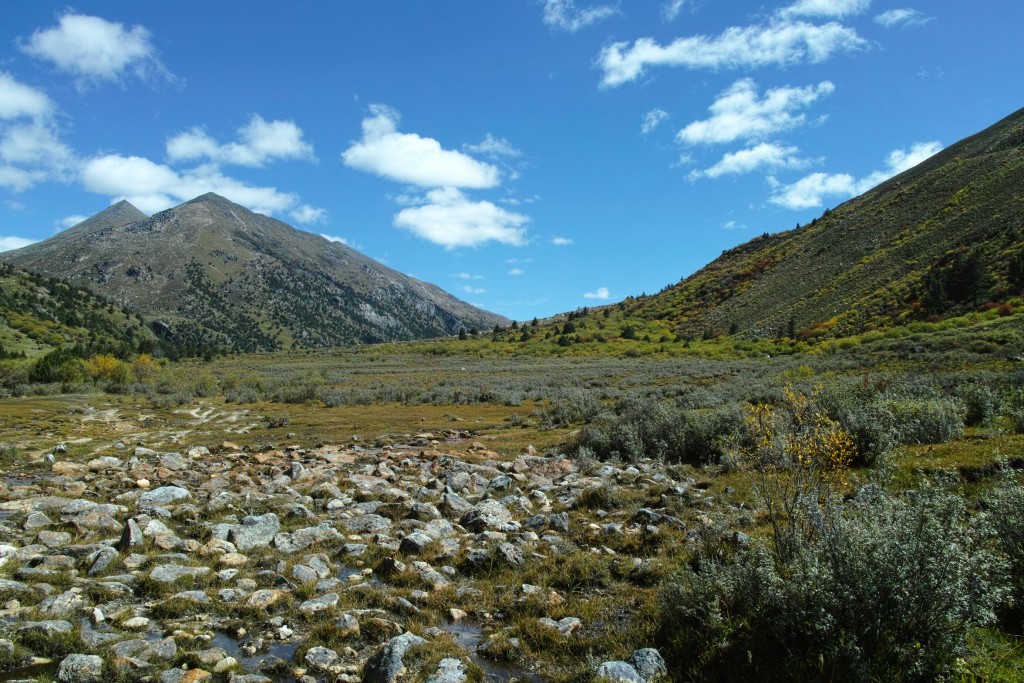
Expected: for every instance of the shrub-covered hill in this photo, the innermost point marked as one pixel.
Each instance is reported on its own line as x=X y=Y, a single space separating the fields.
x=39 y=313
x=938 y=240
x=212 y=273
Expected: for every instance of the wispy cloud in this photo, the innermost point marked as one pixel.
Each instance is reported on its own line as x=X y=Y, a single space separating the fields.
x=826 y=8
x=903 y=18
x=468 y=289
x=601 y=293
x=780 y=43
x=493 y=148
x=671 y=9
x=561 y=241
x=811 y=190
x=739 y=113
x=468 y=276
x=516 y=272
x=565 y=16
x=651 y=120
x=92 y=49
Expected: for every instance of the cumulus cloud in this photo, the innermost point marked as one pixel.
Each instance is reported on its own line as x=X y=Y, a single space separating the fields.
x=902 y=17
x=452 y=220
x=18 y=100
x=739 y=113
x=826 y=8
x=564 y=15
x=494 y=148
x=671 y=9
x=409 y=158
x=601 y=293
x=9 y=243
x=652 y=119
x=561 y=241
x=780 y=43
x=30 y=146
x=764 y=155
x=93 y=49
x=154 y=187
x=259 y=141
x=811 y=190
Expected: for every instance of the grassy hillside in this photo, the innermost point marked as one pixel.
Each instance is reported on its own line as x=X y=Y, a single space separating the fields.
x=39 y=314
x=940 y=240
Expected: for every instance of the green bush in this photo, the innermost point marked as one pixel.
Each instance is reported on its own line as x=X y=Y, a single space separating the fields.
x=887 y=591
x=649 y=428
x=871 y=424
x=981 y=404
x=1007 y=507
x=927 y=421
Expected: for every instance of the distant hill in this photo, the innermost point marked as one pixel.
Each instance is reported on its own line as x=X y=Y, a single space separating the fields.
x=942 y=238
x=212 y=273
x=39 y=314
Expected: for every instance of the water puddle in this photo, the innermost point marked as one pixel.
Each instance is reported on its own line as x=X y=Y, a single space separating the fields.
x=251 y=663
x=46 y=670
x=468 y=636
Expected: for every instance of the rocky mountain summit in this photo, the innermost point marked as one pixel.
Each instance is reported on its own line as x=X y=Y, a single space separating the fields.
x=210 y=272
x=180 y=563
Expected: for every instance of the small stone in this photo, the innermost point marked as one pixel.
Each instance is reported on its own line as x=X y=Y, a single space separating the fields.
x=319 y=604
x=618 y=672
x=449 y=670
x=135 y=623
x=321 y=658
x=163 y=496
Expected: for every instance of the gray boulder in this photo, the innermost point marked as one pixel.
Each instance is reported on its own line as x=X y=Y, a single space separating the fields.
x=80 y=669
x=386 y=666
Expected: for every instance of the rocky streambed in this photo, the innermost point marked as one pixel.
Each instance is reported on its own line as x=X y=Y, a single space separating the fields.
x=334 y=563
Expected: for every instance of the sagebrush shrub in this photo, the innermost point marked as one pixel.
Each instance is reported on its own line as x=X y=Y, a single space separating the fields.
x=887 y=591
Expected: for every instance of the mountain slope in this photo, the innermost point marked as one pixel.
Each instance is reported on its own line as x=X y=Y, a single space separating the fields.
x=211 y=271
x=39 y=314
x=939 y=239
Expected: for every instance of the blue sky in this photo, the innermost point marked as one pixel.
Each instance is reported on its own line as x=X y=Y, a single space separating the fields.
x=530 y=157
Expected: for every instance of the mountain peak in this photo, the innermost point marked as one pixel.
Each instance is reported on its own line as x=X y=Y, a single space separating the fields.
x=114 y=216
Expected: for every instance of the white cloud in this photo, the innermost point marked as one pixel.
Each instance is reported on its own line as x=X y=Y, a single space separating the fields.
x=733 y=225
x=826 y=8
x=93 y=49
x=308 y=215
x=335 y=238
x=516 y=271
x=473 y=290
x=493 y=148
x=811 y=190
x=780 y=43
x=902 y=17
x=671 y=9
x=652 y=119
x=154 y=187
x=30 y=146
x=561 y=241
x=468 y=276
x=70 y=221
x=601 y=293
x=452 y=220
x=9 y=243
x=764 y=155
x=409 y=158
x=739 y=113
x=563 y=15
x=18 y=100
x=260 y=141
